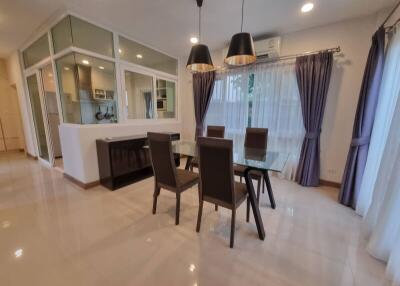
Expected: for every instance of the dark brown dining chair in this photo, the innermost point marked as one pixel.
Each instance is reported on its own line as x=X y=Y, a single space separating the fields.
x=212 y=131
x=166 y=175
x=217 y=182
x=255 y=138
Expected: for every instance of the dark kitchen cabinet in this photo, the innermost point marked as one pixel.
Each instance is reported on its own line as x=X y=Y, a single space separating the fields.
x=123 y=160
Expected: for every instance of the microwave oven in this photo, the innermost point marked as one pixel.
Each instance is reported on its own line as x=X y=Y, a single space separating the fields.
x=161 y=105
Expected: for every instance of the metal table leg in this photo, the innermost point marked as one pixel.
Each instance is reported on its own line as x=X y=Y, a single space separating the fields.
x=254 y=204
x=269 y=189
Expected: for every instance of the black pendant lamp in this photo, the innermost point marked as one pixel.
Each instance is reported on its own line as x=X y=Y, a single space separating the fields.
x=199 y=58
x=241 y=49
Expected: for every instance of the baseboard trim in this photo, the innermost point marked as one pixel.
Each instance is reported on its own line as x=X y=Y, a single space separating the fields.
x=30 y=156
x=330 y=184
x=81 y=184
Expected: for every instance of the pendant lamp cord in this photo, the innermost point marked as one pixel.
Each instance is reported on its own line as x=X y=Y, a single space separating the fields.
x=200 y=24
x=241 y=27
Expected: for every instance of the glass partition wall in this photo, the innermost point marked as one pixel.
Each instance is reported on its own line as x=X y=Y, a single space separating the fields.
x=100 y=77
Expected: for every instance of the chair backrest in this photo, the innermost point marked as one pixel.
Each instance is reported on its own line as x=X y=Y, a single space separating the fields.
x=216 y=131
x=256 y=138
x=216 y=169
x=162 y=158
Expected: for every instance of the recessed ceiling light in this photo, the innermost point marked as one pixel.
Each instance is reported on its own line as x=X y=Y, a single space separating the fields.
x=6 y=224
x=66 y=68
x=307 y=7
x=120 y=51
x=50 y=75
x=86 y=62
x=101 y=67
x=194 y=40
x=18 y=253
x=139 y=56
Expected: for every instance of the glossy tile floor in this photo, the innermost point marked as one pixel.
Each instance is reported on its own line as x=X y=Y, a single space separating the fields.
x=53 y=233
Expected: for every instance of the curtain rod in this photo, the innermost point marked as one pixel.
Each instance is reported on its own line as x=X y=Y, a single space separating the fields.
x=391 y=13
x=262 y=60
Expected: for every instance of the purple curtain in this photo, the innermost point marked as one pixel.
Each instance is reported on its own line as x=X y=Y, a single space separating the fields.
x=313 y=76
x=203 y=86
x=362 y=128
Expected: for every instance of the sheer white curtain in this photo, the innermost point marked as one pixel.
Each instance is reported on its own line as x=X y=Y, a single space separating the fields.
x=276 y=105
x=383 y=217
x=264 y=96
x=229 y=105
x=380 y=191
x=389 y=94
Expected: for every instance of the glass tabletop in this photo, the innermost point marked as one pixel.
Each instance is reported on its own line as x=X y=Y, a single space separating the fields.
x=248 y=157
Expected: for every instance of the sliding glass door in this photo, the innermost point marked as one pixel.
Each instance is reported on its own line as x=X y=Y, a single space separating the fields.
x=38 y=117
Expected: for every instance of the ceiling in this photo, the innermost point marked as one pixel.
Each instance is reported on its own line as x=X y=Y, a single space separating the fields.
x=168 y=24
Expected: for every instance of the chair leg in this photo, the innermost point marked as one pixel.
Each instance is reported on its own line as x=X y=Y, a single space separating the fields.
x=178 y=208
x=155 y=196
x=216 y=208
x=248 y=210
x=233 y=221
x=258 y=189
x=200 y=213
x=263 y=186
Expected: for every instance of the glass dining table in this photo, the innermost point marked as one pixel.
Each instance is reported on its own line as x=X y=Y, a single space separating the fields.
x=252 y=159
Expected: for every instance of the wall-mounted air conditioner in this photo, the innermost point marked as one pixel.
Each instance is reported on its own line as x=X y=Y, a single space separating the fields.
x=267 y=48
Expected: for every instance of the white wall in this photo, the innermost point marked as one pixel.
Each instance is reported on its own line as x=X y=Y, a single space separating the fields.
x=15 y=78
x=9 y=113
x=354 y=38
x=78 y=143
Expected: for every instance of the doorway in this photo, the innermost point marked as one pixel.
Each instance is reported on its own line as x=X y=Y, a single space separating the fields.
x=45 y=114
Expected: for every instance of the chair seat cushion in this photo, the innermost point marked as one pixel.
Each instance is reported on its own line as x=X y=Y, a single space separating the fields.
x=240 y=192
x=186 y=179
x=239 y=171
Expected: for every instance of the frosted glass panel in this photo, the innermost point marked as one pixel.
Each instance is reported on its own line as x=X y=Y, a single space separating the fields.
x=37 y=114
x=36 y=52
x=72 y=31
x=62 y=35
x=91 y=37
x=138 y=54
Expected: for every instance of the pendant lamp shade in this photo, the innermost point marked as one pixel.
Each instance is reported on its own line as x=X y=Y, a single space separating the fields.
x=199 y=59
x=241 y=50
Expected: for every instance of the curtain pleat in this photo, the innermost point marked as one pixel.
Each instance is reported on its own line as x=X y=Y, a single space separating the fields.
x=313 y=77
x=363 y=123
x=203 y=86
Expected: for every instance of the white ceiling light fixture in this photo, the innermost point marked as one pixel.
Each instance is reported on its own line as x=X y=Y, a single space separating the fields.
x=120 y=51
x=66 y=68
x=194 y=40
x=101 y=67
x=307 y=7
x=18 y=253
x=139 y=56
x=86 y=62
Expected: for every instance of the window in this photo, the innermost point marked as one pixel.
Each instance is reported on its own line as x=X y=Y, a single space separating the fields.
x=139 y=54
x=266 y=96
x=165 y=99
x=139 y=95
x=36 y=52
x=87 y=88
x=72 y=31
